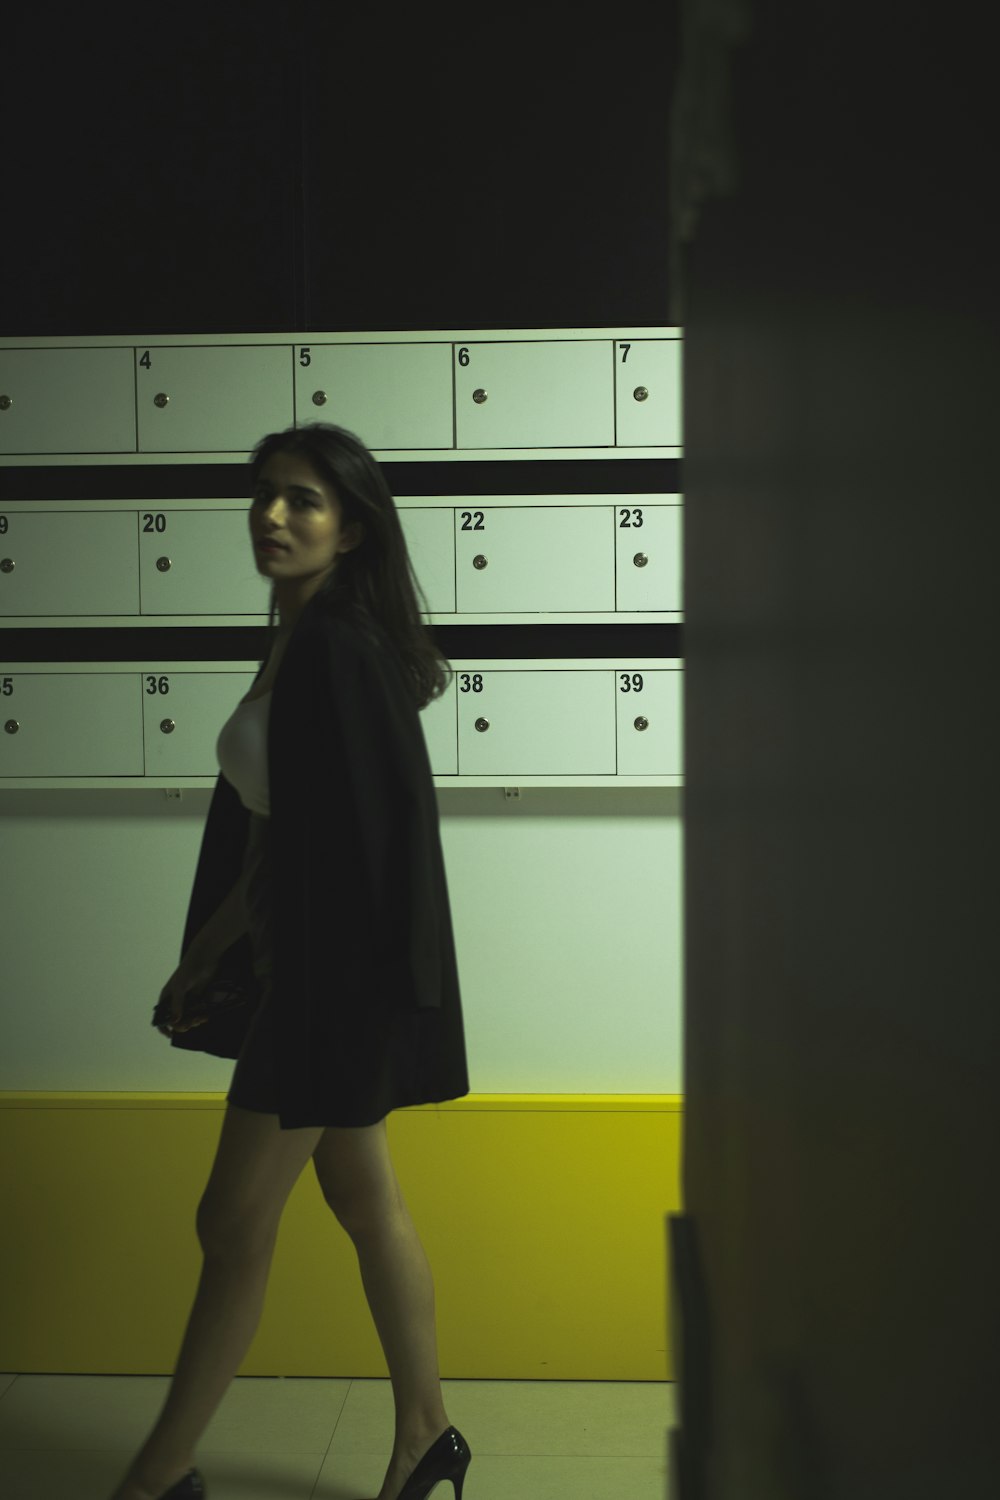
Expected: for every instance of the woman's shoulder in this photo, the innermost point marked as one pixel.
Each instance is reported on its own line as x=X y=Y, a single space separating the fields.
x=347 y=639
x=348 y=626
x=344 y=656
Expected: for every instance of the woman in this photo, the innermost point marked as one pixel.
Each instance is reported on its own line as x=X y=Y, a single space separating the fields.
x=329 y=968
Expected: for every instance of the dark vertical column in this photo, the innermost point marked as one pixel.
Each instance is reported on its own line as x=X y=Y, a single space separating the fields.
x=839 y=289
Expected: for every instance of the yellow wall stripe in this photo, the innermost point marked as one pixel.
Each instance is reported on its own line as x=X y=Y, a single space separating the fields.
x=543 y=1216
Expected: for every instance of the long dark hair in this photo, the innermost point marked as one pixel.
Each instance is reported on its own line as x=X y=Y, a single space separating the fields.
x=375 y=579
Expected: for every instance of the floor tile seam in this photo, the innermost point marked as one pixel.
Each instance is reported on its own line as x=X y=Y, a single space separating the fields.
x=13 y=1376
x=329 y=1446
x=322 y=1454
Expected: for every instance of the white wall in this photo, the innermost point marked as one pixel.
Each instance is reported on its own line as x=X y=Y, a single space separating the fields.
x=568 y=919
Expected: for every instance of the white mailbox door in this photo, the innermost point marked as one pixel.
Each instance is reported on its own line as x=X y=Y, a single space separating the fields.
x=199 y=562
x=535 y=395
x=211 y=399
x=441 y=733
x=70 y=724
x=67 y=401
x=648 y=393
x=183 y=713
x=536 y=723
x=68 y=562
x=388 y=395
x=648 y=543
x=430 y=540
x=543 y=559
x=650 y=722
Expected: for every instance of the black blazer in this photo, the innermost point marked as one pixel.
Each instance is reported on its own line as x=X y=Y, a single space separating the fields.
x=365 y=979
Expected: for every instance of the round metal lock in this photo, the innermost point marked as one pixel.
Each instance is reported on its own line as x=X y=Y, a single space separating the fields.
x=479 y=396
x=482 y=725
x=167 y=726
x=11 y=726
x=6 y=402
x=640 y=393
x=640 y=559
x=163 y=564
x=641 y=723
x=319 y=398
x=479 y=562
x=6 y=565
x=161 y=399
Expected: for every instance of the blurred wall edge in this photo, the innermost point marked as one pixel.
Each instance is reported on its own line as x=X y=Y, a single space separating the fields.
x=835 y=257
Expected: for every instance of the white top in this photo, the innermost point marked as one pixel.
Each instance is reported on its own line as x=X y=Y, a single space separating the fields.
x=241 y=750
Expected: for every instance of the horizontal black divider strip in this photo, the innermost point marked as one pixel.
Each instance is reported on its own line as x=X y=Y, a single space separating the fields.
x=197 y=643
x=576 y=476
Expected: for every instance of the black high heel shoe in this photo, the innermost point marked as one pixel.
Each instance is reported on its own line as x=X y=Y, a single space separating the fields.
x=191 y=1487
x=448 y=1458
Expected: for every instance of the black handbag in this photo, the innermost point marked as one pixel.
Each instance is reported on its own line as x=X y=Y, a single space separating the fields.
x=223 y=1011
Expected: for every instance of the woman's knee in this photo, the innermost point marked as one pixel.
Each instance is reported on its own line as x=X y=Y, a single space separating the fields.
x=363 y=1214
x=225 y=1228
x=356 y=1177
x=256 y=1166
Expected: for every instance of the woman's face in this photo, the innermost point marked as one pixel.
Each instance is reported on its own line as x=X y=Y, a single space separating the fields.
x=300 y=512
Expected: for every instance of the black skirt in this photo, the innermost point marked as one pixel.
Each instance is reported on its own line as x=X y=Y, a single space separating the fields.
x=389 y=1056
x=254 y=1085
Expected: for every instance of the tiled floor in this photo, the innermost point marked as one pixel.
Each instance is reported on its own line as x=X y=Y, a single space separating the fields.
x=71 y=1437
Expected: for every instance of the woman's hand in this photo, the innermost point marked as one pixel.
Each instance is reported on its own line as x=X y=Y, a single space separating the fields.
x=193 y=974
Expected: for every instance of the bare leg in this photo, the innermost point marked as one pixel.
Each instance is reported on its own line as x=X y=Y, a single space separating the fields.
x=221 y=1327
x=360 y=1184
x=255 y=1169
